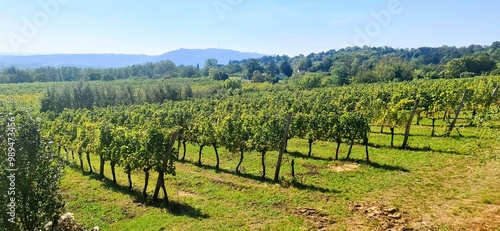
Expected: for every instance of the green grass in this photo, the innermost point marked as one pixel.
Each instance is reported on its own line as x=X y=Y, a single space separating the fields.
x=440 y=183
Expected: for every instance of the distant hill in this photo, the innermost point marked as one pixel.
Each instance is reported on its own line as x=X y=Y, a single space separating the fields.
x=179 y=57
x=79 y=60
x=198 y=56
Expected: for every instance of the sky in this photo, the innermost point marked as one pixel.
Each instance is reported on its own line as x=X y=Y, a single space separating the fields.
x=274 y=27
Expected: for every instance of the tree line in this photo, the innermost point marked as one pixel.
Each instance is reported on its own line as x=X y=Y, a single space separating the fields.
x=83 y=95
x=338 y=67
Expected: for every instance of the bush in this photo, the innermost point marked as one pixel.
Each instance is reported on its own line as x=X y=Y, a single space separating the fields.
x=310 y=81
x=232 y=84
x=217 y=74
x=257 y=77
x=33 y=187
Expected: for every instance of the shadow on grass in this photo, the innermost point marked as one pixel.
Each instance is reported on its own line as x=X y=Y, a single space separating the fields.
x=417 y=149
x=297 y=185
x=429 y=136
x=301 y=155
x=399 y=134
x=385 y=167
x=428 y=149
x=244 y=175
x=458 y=137
x=173 y=207
x=309 y=187
x=178 y=209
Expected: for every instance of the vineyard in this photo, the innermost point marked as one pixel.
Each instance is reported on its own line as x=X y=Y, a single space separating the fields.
x=215 y=159
x=255 y=121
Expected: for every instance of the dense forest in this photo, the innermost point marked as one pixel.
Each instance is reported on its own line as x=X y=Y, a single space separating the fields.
x=334 y=67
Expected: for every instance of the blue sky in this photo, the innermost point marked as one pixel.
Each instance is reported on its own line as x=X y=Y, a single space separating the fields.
x=266 y=26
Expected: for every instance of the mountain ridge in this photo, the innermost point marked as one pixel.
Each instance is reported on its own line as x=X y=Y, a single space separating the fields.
x=180 y=56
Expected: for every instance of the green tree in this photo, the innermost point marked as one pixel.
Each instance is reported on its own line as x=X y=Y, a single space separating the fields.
x=209 y=64
x=324 y=65
x=454 y=68
x=482 y=64
x=285 y=68
x=340 y=76
x=310 y=81
x=217 y=74
x=257 y=77
x=271 y=68
x=233 y=68
x=189 y=71
x=251 y=66
x=394 y=70
x=304 y=64
x=30 y=191
x=468 y=64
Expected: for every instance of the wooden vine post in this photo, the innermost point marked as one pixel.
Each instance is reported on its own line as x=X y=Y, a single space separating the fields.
x=454 y=121
x=408 y=125
x=282 y=147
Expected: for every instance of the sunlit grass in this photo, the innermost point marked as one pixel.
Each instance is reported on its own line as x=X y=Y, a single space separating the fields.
x=438 y=177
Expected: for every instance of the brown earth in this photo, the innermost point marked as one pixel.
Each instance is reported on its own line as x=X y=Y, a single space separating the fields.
x=346 y=167
x=318 y=220
x=381 y=216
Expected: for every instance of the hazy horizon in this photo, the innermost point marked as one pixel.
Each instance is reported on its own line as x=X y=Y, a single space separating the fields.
x=212 y=48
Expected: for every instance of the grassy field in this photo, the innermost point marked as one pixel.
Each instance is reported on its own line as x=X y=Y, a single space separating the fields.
x=440 y=184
